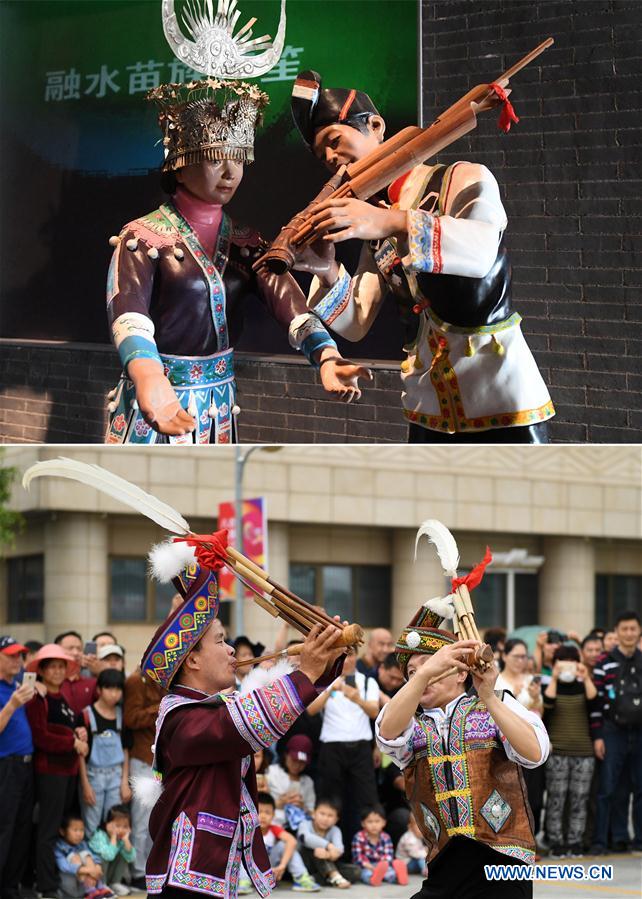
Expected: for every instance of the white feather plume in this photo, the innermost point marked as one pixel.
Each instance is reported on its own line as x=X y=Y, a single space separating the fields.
x=444 y=542
x=441 y=606
x=262 y=677
x=146 y=789
x=167 y=559
x=113 y=485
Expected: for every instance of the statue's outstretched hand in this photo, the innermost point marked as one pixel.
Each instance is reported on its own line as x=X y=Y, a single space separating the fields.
x=157 y=400
x=341 y=376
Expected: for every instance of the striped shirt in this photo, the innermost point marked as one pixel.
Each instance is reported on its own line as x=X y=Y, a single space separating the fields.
x=566 y=717
x=606 y=674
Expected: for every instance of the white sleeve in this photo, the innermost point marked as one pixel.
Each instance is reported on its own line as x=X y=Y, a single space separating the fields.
x=307 y=793
x=540 y=732
x=351 y=305
x=372 y=690
x=464 y=239
x=401 y=749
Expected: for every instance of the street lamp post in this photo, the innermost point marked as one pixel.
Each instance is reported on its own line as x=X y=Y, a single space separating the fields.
x=241 y=459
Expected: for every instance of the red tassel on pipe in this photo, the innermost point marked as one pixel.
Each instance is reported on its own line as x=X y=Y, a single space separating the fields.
x=210 y=548
x=508 y=114
x=474 y=578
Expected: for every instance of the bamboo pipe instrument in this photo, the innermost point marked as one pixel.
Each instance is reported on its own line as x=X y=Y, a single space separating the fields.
x=351 y=635
x=271 y=587
x=464 y=595
x=482 y=660
x=281 y=602
x=474 y=101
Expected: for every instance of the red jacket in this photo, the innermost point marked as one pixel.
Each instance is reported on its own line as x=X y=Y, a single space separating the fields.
x=206 y=819
x=79 y=693
x=53 y=743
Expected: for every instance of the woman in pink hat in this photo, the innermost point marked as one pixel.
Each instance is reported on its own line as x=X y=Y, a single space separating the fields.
x=59 y=739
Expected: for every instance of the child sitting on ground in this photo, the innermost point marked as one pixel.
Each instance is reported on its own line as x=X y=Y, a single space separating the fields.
x=80 y=870
x=412 y=850
x=372 y=850
x=321 y=844
x=281 y=849
x=114 y=847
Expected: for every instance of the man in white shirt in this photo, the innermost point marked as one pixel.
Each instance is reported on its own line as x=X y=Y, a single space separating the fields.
x=461 y=755
x=345 y=769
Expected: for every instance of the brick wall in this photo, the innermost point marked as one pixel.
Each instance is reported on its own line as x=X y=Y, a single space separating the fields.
x=570 y=177
x=55 y=393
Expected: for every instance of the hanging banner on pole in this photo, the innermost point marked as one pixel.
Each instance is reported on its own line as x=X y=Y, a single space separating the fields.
x=254 y=539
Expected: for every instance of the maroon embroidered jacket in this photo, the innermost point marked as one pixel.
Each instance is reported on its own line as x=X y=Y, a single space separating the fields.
x=206 y=819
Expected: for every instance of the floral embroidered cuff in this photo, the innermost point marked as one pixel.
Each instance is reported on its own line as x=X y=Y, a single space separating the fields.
x=424 y=242
x=333 y=300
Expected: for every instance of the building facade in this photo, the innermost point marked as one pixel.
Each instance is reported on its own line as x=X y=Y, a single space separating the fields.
x=564 y=525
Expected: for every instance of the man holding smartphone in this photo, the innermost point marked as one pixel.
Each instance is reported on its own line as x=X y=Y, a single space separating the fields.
x=345 y=767
x=16 y=776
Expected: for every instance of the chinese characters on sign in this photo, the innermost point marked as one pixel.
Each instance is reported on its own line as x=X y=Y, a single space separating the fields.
x=145 y=76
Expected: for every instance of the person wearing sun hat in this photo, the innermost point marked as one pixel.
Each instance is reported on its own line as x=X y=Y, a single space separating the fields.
x=461 y=754
x=204 y=821
x=16 y=770
x=60 y=738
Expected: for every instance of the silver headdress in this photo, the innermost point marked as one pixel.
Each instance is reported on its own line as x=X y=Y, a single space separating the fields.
x=212 y=47
x=214 y=118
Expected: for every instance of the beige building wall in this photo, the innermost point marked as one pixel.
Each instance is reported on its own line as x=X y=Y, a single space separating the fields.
x=579 y=507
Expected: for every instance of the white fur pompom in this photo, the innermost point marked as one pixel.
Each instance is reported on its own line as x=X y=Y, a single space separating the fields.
x=167 y=559
x=442 y=607
x=146 y=789
x=413 y=640
x=261 y=677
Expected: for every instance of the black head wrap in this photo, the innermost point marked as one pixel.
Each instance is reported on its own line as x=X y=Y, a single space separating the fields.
x=314 y=107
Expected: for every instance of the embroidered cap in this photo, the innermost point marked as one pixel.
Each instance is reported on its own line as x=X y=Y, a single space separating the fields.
x=184 y=627
x=423 y=635
x=314 y=107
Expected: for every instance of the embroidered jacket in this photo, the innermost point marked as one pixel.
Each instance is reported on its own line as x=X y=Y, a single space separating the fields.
x=468 y=365
x=168 y=300
x=206 y=820
x=463 y=777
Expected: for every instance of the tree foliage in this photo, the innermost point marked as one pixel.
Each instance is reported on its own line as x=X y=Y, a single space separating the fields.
x=11 y=522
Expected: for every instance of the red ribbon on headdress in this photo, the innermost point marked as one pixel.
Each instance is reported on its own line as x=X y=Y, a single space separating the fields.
x=210 y=548
x=508 y=114
x=473 y=578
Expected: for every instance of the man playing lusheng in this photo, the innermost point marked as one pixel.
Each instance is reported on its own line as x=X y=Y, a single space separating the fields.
x=205 y=822
x=461 y=756
x=436 y=243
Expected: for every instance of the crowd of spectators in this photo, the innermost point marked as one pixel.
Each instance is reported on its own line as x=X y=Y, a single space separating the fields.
x=75 y=730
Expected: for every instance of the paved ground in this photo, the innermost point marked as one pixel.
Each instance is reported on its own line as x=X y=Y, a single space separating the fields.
x=627 y=881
